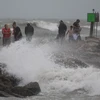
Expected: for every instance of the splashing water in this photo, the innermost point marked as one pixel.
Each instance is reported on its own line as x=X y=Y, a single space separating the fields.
x=33 y=62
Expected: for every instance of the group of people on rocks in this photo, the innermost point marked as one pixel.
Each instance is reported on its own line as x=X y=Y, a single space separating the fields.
x=6 y=31
x=74 y=31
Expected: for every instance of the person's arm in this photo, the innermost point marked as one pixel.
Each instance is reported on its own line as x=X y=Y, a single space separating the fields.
x=65 y=28
x=9 y=31
x=18 y=31
x=2 y=31
x=19 y=35
x=13 y=31
x=67 y=32
x=74 y=25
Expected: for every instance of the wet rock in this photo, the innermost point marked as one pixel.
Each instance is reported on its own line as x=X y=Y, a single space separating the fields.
x=4 y=94
x=22 y=91
x=90 y=47
x=9 y=85
x=92 y=39
x=31 y=89
x=74 y=62
x=2 y=68
x=34 y=86
x=14 y=80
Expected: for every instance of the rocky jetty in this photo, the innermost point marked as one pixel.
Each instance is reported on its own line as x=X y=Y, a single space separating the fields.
x=80 y=54
x=90 y=51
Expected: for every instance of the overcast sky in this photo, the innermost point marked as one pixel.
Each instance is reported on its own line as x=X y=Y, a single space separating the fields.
x=67 y=9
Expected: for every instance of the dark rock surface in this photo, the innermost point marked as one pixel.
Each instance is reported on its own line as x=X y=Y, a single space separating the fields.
x=31 y=89
x=74 y=62
x=9 y=85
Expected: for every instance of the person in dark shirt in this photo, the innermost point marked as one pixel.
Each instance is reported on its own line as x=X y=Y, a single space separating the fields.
x=77 y=29
x=76 y=24
x=29 y=32
x=61 y=30
x=16 y=32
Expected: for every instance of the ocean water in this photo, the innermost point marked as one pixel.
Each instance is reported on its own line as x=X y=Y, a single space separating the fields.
x=36 y=61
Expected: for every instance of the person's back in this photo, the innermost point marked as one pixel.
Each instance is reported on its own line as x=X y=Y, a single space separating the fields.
x=61 y=31
x=29 y=30
x=62 y=28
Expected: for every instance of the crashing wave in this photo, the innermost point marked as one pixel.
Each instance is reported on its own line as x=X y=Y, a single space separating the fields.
x=46 y=25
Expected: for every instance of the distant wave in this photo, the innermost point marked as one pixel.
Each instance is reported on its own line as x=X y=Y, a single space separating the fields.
x=68 y=22
x=86 y=26
x=46 y=25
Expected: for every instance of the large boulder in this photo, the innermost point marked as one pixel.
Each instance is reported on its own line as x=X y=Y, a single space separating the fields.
x=33 y=86
x=30 y=89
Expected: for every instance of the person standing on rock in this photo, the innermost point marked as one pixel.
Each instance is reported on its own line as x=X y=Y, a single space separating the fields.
x=16 y=32
x=61 y=30
x=76 y=30
x=70 y=32
x=6 y=35
x=29 y=32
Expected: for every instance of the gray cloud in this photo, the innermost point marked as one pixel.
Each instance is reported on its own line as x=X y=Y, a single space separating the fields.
x=47 y=8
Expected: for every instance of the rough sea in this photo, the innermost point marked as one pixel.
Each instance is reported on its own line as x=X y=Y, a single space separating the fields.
x=42 y=60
